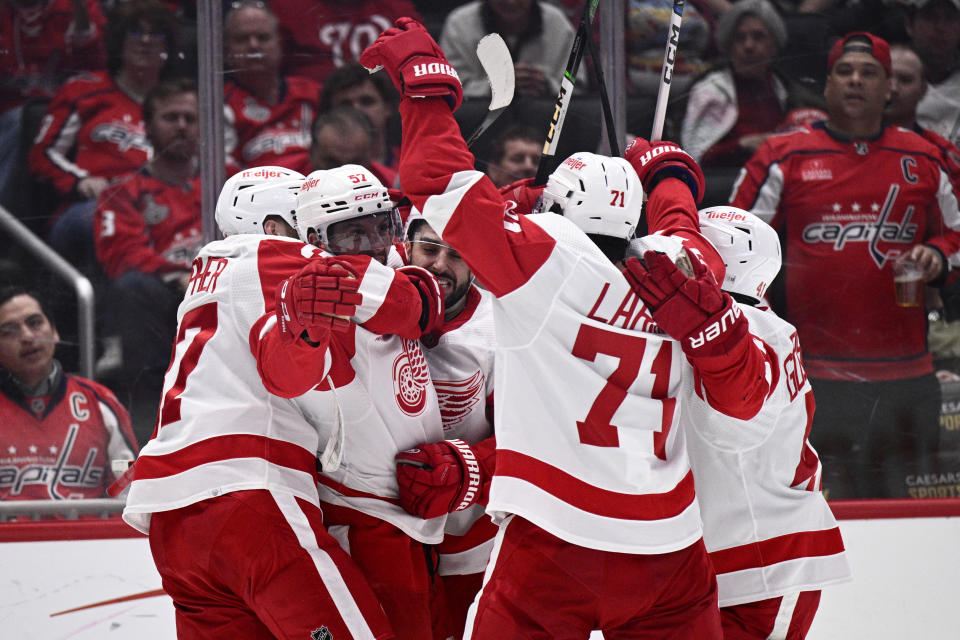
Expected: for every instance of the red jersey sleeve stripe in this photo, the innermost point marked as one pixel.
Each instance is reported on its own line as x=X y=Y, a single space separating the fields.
x=793 y=546
x=225 y=447
x=586 y=497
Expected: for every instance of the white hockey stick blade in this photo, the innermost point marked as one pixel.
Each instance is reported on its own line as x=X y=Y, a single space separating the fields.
x=497 y=63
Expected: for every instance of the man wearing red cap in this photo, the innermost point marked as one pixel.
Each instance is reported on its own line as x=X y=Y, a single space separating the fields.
x=850 y=198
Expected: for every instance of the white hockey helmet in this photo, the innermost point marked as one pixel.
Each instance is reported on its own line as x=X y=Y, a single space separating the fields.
x=329 y=198
x=249 y=196
x=750 y=249
x=600 y=194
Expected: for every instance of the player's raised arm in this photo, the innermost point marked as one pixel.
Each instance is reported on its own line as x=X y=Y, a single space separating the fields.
x=437 y=170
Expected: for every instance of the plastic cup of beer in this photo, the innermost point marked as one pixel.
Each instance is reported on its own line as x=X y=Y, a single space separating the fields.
x=908 y=283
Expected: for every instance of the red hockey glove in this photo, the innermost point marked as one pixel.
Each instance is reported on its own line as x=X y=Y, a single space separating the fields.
x=442 y=477
x=693 y=310
x=431 y=296
x=658 y=160
x=524 y=193
x=321 y=297
x=416 y=64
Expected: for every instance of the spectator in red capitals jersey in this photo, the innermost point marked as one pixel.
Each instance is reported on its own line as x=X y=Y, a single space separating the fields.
x=93 y=130
x=771 y=536
x=60 y=432
x=148 y=231
x=321 y=35
x=45 y=41
x=878 y=400
x=268 y=115
x=592 y=488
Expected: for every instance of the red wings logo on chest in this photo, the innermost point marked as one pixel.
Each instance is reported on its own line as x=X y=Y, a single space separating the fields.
x=458 y=397
x=410 y=379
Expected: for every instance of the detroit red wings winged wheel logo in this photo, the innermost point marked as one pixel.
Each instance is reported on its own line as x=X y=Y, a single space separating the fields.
x=410 y=379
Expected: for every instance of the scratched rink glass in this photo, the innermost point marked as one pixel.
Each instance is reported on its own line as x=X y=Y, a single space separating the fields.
x=908 y=283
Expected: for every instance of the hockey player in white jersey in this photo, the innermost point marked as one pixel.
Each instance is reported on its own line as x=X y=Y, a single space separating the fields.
x=599 y=523
x=771 y=536
x=376 y=401
x=460 y=355
x=226 y=487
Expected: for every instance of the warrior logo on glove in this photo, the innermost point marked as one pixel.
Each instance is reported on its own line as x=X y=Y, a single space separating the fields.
x=473 y=474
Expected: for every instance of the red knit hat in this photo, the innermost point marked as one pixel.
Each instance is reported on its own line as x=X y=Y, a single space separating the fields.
x=861 y=41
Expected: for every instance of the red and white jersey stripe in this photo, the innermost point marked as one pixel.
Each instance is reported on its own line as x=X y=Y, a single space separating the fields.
x=587 y=386
x=225 y=423
x=766 y=525
x=379 y=389
x=460 y=355
x=91 y=128
x=219 y=428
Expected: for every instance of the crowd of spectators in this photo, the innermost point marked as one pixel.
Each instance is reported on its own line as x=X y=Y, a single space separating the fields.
x=99 y=143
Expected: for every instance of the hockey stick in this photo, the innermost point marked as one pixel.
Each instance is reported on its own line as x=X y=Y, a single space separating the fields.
x=604 y=97
x=566 y=92
x=666 y=76
x=498 y=64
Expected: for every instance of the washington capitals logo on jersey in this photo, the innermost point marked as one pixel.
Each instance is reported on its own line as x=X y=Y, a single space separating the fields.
x=861 y=223
x=277 y=142
x=56 y=474
x=123 y=135
x=321 y=634
x=458 y=397
x=411 y=379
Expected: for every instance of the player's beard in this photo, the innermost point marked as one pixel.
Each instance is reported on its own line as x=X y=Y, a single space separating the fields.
x=457 y=293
